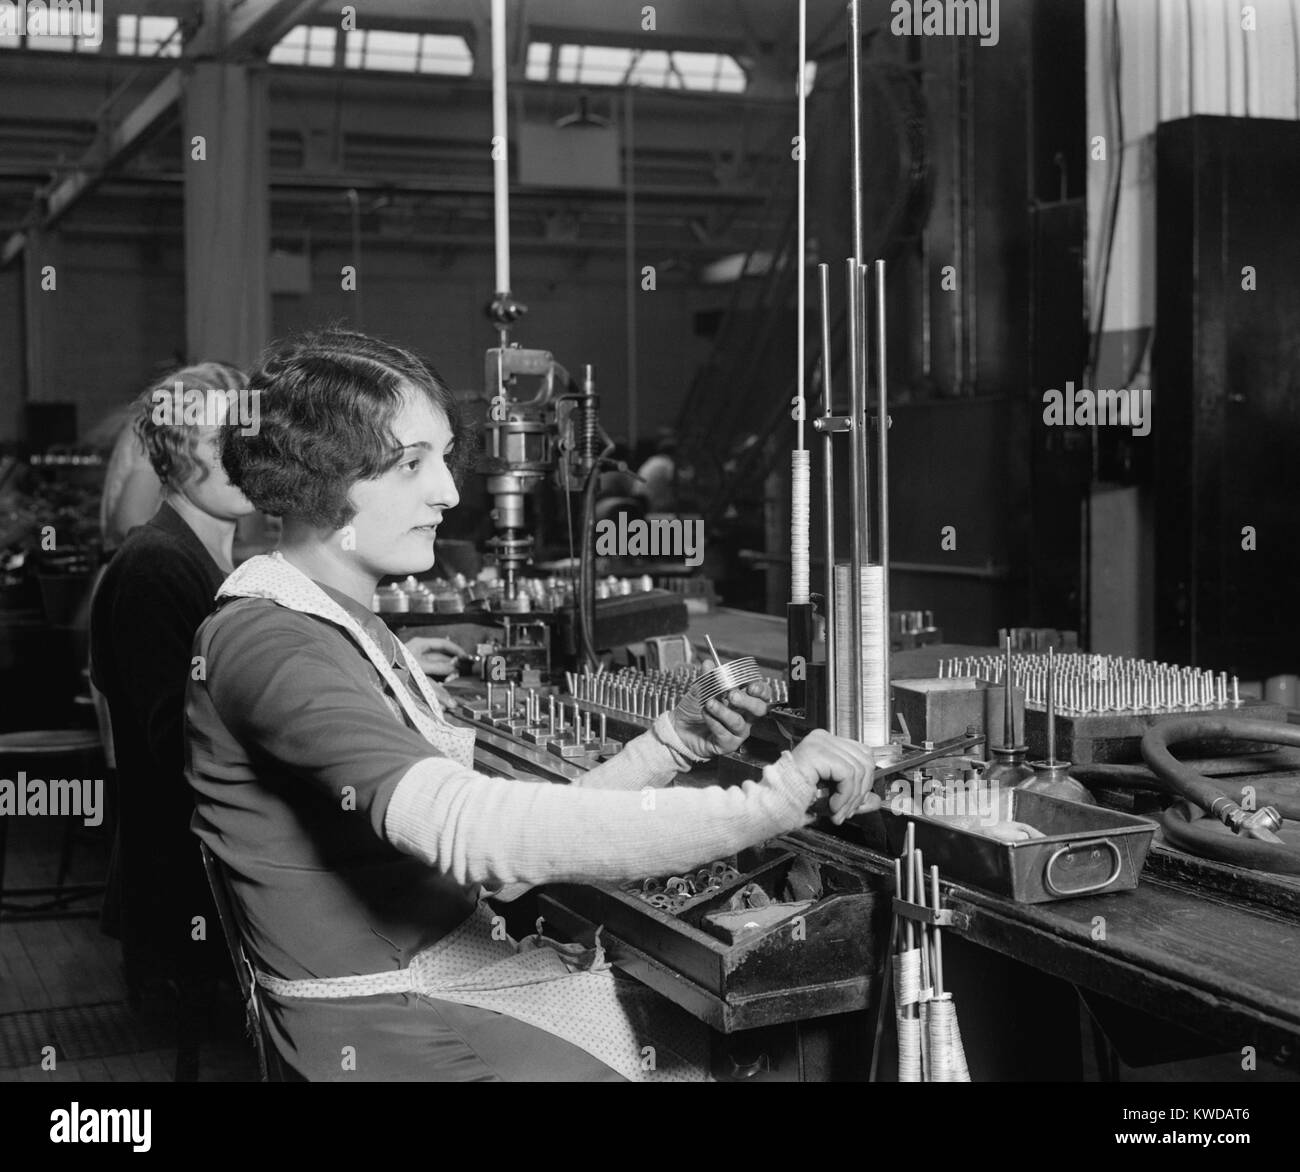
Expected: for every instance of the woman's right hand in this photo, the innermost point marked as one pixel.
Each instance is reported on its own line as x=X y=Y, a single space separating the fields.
x=822 y=757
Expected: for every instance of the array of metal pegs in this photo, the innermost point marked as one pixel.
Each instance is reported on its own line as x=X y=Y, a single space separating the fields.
x=1090 y=685
x=675 y=892
x=549 y=723
x=632 y=692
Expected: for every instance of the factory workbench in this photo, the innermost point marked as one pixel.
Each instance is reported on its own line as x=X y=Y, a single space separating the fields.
x=1207 y=948
x=1221 y=967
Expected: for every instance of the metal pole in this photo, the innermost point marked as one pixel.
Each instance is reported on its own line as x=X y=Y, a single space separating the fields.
x=629 y=239
x=800 y=247
x=500 y=151
x=857 y=499
x=828 y=489
x=855 y=83
x=882 y=473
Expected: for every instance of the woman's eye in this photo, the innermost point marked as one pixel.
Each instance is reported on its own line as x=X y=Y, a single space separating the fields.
x=413 y=464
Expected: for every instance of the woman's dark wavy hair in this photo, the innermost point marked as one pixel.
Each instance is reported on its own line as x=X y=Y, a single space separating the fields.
x=327 y=404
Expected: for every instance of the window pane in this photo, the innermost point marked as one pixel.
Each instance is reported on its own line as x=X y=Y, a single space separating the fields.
x=651 y=70
x=539 y=62
x=445 y=54
x=127 y=27
x=567 y=67
x=390 y=50
x=320 y=47
x=291 y=48
x=154 y=30
x=355 y=52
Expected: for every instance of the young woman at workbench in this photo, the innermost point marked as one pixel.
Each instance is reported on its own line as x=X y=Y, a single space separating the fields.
x=357 y=837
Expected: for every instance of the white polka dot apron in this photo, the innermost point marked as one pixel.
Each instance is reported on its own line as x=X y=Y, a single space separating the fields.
x=565 y=990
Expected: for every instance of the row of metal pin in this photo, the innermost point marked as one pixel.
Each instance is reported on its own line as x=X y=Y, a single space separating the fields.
x=637 y=693
x=1093 y=684
x=649 y=693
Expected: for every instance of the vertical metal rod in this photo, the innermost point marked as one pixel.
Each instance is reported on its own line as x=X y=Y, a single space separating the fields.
x=857 y=504
x=918 y=862
x=882 y=474
x=500 y=154
x=629 y=249
x=855 y=83
x=909 y=851
x=828 y=489
x=1051 y=707
x=938 y=935
x=799 y=460
x=800 y=247
x=861 y=430
x=1008 y=707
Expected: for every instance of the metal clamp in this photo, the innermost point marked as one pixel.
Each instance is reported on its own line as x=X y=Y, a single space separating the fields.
x=944 y=917
x=1070 y=848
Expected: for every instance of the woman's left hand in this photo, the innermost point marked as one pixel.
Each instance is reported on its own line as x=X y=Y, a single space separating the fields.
x=437 y=656
x=725 y=723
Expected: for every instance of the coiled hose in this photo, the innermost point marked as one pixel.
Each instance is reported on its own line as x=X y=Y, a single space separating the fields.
x=1199 y=836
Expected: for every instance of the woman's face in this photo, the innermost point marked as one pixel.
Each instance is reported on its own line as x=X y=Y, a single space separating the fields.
x=398 y=513
x=209 y=488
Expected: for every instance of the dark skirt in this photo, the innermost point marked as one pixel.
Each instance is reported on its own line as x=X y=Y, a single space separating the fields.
x=412 y=1038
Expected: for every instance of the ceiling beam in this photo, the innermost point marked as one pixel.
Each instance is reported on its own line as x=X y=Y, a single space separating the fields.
x=229 y=32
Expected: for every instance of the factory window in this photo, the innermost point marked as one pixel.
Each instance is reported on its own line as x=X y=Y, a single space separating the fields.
x=655 y=68
x=148 y=36
x=539 y=62
x=444 y=54
x=305 y=45
x=408 y=52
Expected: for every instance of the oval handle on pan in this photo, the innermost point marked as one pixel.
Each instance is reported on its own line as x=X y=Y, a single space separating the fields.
x=1068 y=849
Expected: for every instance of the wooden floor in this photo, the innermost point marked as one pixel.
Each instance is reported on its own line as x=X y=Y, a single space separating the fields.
x=61 y=985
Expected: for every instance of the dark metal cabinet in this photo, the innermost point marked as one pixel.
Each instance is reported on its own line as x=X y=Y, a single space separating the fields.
x=1226 y=401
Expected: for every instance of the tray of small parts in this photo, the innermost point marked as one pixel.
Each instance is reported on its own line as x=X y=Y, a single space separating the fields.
x=1079 y=849
x=769 y=935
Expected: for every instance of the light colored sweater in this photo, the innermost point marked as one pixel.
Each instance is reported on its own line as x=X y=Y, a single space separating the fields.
x=614 y=823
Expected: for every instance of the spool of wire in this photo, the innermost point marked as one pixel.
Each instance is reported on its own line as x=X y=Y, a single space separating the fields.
x=800 y=525
x=718 y=681
x=875 y=633
x=907 y=993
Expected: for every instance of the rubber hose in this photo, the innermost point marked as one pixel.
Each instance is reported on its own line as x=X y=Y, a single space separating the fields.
x=1189 y=784
x=1182 y=778
x=1188 y=835
x=1113 y=776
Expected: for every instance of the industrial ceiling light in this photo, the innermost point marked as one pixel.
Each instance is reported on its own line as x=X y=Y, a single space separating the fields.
x=582 y=116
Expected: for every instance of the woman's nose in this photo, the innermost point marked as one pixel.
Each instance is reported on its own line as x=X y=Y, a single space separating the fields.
x=445 y=493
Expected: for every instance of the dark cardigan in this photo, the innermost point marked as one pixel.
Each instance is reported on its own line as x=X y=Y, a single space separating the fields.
x=158 y=588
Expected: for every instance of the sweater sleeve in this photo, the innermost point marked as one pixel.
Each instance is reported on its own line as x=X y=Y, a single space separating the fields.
x=496 y=831
x=653 y=759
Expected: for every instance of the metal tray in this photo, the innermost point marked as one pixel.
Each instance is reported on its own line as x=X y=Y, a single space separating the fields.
x=1086 y=851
